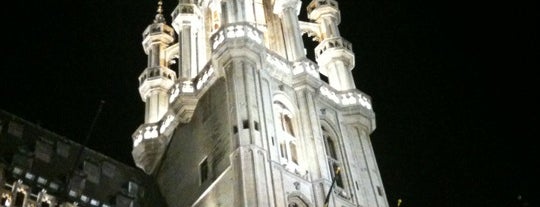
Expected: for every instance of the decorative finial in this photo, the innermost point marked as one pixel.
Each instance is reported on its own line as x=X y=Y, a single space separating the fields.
x=159 y=16
x=159 y=9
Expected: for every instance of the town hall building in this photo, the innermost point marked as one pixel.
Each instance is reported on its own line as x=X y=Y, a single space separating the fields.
x=238 y=115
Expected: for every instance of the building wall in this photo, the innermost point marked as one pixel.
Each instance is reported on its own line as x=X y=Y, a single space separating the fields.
x=206 y=137
x=234 y=124
x=34 y=159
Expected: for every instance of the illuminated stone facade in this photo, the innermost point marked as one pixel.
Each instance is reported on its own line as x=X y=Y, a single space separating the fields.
x=39 y=168
x=237 y=115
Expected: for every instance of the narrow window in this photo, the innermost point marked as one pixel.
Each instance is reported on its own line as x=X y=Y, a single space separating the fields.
x=330 y=148
x=283 y=150
x=333 y=159
x=256 y=125
x=294 y=156
x=339 y=180
x=379 y=190
x=287 y=124
x=204 y=170
x=245 y=123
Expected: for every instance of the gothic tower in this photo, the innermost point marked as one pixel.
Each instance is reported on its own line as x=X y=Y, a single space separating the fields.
x=237 y=115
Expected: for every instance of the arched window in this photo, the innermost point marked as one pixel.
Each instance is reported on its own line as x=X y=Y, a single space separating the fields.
x=334 y=162
x=330 y=147
x=296 y=201
x=286 y=135
x=293 y=205
x=284 y=118
x=287 y=124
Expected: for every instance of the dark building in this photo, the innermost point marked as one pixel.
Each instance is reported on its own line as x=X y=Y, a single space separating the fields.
x=39 y=168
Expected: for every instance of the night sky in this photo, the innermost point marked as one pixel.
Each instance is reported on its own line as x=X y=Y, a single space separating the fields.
x=452 y=86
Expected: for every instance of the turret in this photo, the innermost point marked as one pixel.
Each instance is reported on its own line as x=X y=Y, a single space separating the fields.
x=188 y=24
x=154 y=84
x=157 y=78
x=333 y=54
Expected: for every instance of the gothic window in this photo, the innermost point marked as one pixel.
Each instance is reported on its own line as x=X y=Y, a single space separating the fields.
x=334 y=161
x=286 y=136
x=330 y=147
x=284 y=118
x=287 y=124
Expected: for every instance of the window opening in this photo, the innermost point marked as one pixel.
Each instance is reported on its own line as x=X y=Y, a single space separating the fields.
x=204 y=170
x=19 y=199
x=333 y=160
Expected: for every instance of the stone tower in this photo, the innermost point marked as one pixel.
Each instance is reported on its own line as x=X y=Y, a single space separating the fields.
x=237 y=115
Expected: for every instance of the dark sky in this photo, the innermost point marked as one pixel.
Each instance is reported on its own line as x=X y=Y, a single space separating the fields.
x=452 y=84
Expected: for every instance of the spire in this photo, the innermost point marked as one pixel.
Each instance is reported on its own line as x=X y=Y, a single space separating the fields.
x=159 y=16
